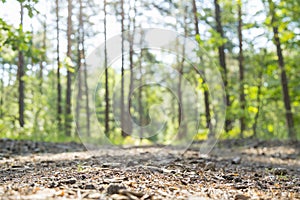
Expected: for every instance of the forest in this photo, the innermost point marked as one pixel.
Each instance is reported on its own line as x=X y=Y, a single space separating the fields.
x=136 y=99
x=47 y=92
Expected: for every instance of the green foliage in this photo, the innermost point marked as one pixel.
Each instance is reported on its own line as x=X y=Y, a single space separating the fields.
x=264 y=105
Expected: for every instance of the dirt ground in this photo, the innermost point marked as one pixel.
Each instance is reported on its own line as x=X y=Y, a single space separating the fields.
x=233 y=170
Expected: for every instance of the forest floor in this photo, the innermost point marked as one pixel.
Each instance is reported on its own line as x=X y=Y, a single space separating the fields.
x=242 y=170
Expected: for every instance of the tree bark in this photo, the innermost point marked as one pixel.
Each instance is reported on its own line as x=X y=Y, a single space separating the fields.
x=206 y=94
x=241 y=68
x=131 y=53
x=222 y=60
x=43 y=58
x=2 y=91
x=284 y=85
x=181 y=117
x=258 y=101
x=140 y=95
x=124 y=134
x=21 y=73
x=106 y=75
x=284 y=80
x=82 y=72
x=79 y=70
x=87 y=101
x=59 y=95
x=68 y=125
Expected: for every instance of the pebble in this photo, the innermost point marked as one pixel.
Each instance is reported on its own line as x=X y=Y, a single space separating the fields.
x=114 y=189
x=241 y=197
x=210 y=166
x=236 y=160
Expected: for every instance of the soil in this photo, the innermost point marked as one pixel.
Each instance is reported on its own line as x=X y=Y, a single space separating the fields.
x=241 y=170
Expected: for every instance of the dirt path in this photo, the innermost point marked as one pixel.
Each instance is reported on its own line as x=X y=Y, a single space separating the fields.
x=30 y=170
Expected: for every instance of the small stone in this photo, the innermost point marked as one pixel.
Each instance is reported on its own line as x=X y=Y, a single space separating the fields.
x=111 y=165
x=210 y=166
x=68 y=181
x=236 y=160
x=241 y=197
x=89 y=187
x=238 y=179
x=114 y=189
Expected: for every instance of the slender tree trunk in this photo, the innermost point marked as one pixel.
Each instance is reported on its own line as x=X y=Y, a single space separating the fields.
x=284 y=84
x=59 y=108
x=124 y=134
x=21 y=73
x=131 y=52
x=140 y=96
x=68 y=125
x=284 y=80
x=106 y=75
x=222 y=60
x=258 y=101
x=79 y=72
x=181 y=117
x=87 y=102
x=241 y=68
x=2 y=92
x=206 y=94
x=41 y=76
x=82 y=72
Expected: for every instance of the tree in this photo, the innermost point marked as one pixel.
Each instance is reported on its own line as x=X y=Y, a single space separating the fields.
x=21 y=73
x=222 y=60
x=259 y=91
x=284 y=81
x=68 y=125
x=85 y=77
x=131 y=36
x=124 y=134
x=79 y=70
x=140 y=95
x=241 y=68
x=206 y=94
x=59 y=95
x=106 y=75
x=181 y=117
x=43 y=54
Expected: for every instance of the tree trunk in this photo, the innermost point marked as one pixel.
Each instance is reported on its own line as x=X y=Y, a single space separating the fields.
x=2 y=92
x=124 y=134
x=140 y=96
x=21 y=73
x=59 y=108
x=131 y=52
x=68 y=116
x=222 y=61
x=82 y=74
x=258 y=101
x=106 y=75
x=284 y=85
x=79 y=71
x=206 y=94
x=87 y=101
x=241 y=68
x=43 y=58
x=181 y=117
x=284 y=80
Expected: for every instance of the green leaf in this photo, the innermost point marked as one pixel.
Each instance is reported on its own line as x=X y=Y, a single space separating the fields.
x=69 y=64
x=286 y=36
